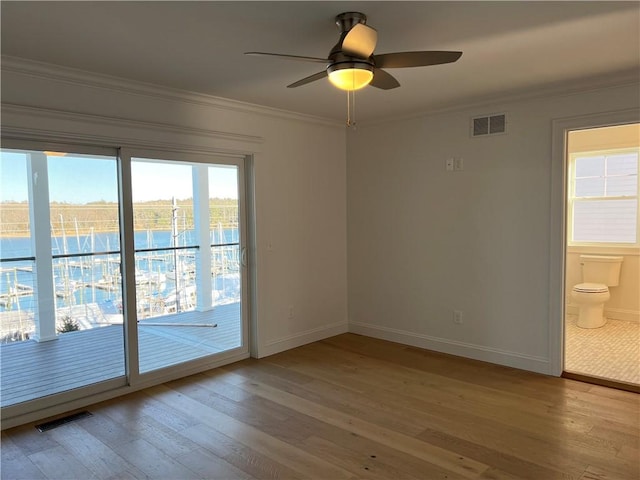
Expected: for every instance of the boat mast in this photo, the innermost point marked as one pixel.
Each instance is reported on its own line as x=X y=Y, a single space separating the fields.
x=174 y=237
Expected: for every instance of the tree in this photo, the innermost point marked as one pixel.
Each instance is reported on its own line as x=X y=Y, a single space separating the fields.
x=68 y=325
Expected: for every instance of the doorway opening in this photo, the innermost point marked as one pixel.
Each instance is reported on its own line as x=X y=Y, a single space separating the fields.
x=602 y=256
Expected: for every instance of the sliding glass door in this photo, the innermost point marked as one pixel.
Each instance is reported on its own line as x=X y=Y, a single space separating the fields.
x=116 y=268
x=60 y=288
x=188 y=259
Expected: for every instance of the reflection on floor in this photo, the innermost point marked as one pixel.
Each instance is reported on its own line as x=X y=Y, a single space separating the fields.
x=611 y=351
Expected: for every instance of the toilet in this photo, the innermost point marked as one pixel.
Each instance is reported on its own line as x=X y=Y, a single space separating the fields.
x=598 y=274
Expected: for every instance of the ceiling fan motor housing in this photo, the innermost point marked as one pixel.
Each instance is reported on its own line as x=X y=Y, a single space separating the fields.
x=360 y=65
x=340 y=60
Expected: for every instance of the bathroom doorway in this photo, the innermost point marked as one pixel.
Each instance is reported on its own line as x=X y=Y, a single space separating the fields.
x=602 y=256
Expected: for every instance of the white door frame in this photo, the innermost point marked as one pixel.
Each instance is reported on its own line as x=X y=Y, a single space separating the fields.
x=136 y=378
x=558 y=216
x=43 y=407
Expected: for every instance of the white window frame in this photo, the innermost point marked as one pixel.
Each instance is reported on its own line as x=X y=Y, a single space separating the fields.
x=571 y=185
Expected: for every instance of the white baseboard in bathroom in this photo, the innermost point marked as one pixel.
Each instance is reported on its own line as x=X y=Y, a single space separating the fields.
x=622 y=314
x=453 y=347
x=613 y=313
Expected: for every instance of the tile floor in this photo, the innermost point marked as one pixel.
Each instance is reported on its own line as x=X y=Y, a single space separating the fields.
x=611 y=351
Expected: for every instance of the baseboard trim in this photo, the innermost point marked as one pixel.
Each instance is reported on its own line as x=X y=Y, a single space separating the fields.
x=297 y=340
x=613 y=313
x=453 y=347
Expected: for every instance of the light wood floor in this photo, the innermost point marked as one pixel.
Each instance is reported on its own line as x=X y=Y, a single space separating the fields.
x=347 y=407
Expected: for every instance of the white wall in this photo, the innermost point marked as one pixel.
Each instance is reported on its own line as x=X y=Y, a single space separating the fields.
x=300 y=179
x=423 y=241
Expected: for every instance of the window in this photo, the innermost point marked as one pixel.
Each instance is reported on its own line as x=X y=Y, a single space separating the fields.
x=55 y=232
x=603 y=197
x=59 y=242
x=16 y=250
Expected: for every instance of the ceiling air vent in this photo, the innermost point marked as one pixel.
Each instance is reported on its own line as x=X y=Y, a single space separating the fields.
x=489 y=125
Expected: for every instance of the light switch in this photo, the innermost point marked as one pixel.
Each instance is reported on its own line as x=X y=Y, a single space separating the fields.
x=450 y=163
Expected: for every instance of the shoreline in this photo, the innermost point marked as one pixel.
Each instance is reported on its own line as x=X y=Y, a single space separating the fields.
x=72 y=232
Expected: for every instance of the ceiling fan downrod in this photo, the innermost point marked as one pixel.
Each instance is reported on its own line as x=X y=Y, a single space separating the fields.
x=346 y=21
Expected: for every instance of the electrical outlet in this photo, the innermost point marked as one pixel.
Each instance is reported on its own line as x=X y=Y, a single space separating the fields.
x=290 y=315
x=457 y=317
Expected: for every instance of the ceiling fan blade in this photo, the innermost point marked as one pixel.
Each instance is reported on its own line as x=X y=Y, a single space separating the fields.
x=414 y=59
x=309 y=79
x=383 y=80
x=289 y=57
x=360 y=41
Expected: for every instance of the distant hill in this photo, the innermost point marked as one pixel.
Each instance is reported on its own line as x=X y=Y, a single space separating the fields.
x=103 y=216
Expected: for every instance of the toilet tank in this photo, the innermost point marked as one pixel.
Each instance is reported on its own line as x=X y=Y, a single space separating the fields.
x=601 y=269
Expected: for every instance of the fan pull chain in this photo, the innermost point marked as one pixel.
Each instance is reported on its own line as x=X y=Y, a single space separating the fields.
x=351 y=109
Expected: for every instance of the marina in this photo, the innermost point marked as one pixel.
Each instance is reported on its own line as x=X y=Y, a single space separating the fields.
x=85 y=281
x=88 y=310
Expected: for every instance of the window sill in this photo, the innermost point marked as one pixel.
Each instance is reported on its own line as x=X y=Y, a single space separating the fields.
x=604 y=250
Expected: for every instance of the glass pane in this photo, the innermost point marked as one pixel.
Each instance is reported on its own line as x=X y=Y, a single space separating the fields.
x=590 y=187
x=225 y=234
x=187 y=261
x=590 y=166
x=225 y=253
x=609 y=221
x=164 y=224
x=15 y=231
x=83 y=193
x=17 y=299
x=624 y=164
x=162 y=203
x=73 y=292
x=226 y=274
x=622 y=186
x=165 y=282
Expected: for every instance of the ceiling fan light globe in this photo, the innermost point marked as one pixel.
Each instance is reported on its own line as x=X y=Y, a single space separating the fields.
x=350 y=78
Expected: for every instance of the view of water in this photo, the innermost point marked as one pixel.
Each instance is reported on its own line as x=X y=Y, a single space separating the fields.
x=96 y=278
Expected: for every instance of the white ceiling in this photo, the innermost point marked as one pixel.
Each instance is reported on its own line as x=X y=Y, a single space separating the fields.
x=509 y=47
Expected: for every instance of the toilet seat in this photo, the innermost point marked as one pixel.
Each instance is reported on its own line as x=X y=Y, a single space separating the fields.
x=591 y=288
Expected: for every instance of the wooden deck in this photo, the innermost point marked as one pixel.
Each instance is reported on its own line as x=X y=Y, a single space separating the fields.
x=31 y=370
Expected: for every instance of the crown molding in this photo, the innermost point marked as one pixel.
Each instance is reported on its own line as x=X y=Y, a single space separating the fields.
x=566 y=88
x=73 y=76
x=26 y=122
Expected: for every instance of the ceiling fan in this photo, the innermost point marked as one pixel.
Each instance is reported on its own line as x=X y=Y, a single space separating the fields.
x=351 y=64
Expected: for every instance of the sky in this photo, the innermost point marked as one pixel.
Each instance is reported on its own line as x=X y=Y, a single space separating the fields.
x=81 y=179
